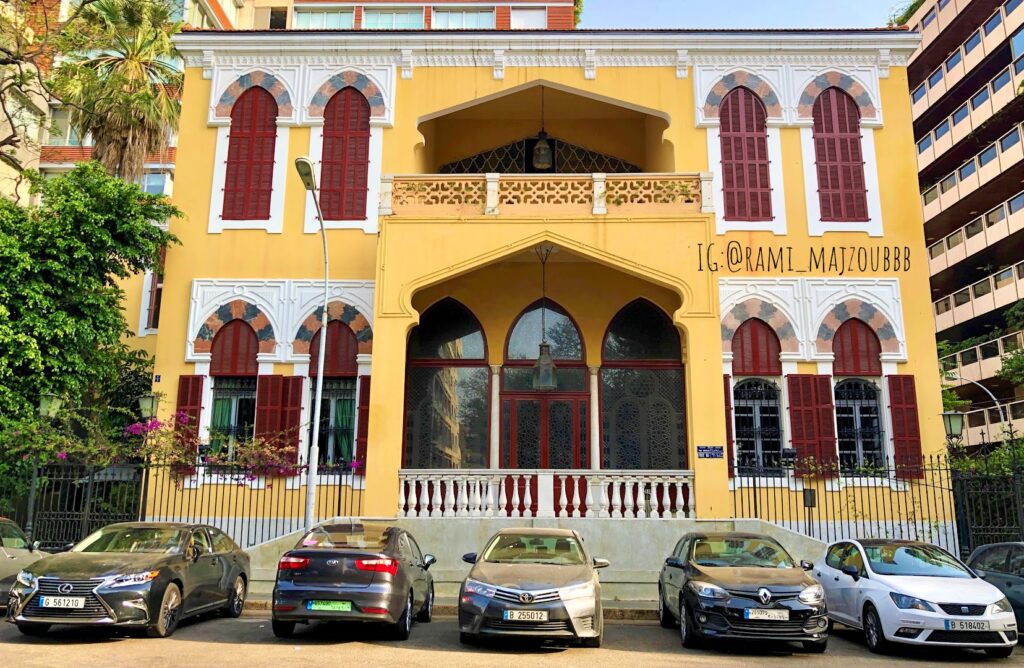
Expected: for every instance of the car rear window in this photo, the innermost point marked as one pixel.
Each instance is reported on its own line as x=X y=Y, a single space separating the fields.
x=346 y=536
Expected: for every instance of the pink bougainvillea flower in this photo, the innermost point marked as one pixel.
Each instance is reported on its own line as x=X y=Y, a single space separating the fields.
x=62 y=455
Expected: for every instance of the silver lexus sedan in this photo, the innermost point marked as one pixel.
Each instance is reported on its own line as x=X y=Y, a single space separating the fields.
x=539 y=583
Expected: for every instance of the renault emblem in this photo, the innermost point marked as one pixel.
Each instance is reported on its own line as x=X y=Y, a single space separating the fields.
x=765 y=595
x=526 y=597
x=66 y=588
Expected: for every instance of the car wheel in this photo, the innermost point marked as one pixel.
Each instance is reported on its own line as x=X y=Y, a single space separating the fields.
x=665 y=617
x=236 y=599
x=999 y=652
x=815 y=646
x=403 y=628
x=33 y=629
x=169 y=613
x=282 y=629
x=874 y=637
x=426 y=613
x=467 y=638
x=594 y=642
x=687 y=633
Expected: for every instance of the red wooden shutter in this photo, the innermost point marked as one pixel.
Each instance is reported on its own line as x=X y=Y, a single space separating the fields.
x=756 y=350
x=345 y=164
x=827 y=452
x=342 y=349
x=857 y=350
x=291 y=412
x=839 y=160
x=249 y=176
x=811 y=417
x=234 y=350
x=906 y=430
x=363 y=415
x=190 y=407
x=729 y=445
x=746 y=185
x=269 y=407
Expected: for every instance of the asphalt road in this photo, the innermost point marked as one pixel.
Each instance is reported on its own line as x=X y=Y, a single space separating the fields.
x=249 y=643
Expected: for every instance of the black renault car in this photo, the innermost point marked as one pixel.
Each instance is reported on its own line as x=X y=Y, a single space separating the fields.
x=742 y=586
x=354 y=572
x=145 y=574
x=1002 y=564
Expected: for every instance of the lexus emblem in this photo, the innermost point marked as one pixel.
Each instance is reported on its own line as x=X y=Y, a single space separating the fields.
x=764 y=595
x=65 y=588
x=526 y=597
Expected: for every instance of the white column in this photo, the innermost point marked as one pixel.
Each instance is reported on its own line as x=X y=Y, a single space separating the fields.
x=595 y=419
x=495 y=449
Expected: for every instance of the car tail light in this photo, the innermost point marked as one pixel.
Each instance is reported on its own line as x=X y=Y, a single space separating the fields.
x=375 y=611
x=378 y=565
x=280 y=607
x=292 y=563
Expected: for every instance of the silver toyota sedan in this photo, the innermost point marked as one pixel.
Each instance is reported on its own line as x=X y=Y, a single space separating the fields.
x=538 y=583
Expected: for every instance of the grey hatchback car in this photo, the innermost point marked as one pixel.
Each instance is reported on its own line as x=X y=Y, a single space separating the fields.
x=354 y=572
x=539 y=583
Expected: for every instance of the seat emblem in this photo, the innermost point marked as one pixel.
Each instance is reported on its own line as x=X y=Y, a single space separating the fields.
x=526 y=597
x=964 y=609
x=65 y=588
x=765 y=595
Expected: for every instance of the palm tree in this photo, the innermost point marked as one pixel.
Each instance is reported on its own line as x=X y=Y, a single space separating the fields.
x=124 y=91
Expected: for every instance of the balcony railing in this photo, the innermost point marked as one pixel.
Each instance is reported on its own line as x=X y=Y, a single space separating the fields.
x=464 y=195
x=545 y=493
x=986 y=425
x=981 y=361
x=1000 y=289
x=977 y=235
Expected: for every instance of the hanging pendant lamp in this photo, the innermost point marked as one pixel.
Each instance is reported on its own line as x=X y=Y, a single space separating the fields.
x=543 y=156
x=544 y=368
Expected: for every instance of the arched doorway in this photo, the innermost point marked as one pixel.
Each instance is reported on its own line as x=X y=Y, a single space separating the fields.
x=544 y=429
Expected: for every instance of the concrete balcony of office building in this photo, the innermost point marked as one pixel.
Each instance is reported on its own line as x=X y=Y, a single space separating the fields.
x=981 y=235
x=992 y=292
x=981 y=362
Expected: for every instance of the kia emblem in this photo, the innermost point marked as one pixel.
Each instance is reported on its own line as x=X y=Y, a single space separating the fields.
x=66 y=588
x=333 y=562
x=526 y=597
x=765 y=595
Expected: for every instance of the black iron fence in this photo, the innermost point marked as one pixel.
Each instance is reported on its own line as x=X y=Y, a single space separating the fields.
x=63 y=503
x=959 y=505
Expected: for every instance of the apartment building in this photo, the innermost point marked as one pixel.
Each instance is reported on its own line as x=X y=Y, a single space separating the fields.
x=965 y=78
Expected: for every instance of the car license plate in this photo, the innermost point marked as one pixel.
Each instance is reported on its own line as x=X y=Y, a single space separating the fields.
x=966 y=625
x=61 y=602
x=526 y=615
x=775 y=614
x=330 y=606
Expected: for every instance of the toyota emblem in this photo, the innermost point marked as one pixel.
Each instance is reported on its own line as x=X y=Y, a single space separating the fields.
x=526 y=597
x=764 y=595
x=66 y=588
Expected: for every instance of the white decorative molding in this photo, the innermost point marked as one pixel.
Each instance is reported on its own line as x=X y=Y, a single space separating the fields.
x=682 y=63
x=590 y=64
x=315 y=75
x=884 y=61
x=499 y=64
x=224 y=75
x=406 y=63
x=777 y=225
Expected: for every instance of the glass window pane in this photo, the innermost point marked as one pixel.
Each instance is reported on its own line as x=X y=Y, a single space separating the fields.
x=560 y=332
x=987 y=156
x=924 y=144
x=153 y=183
x=1017 y=44
x=968 y=169
x=981 y=288
x=969 y=356
x=953 y=60
x=941 y=129
x=643 y=418
x=993 y=23
x=529 y=19
x=1001 y=80
x=1011 y=5
x=942 y=306
x=935 y=78
x=641 y=331
x=979 y=98
x=955 y=239
x=919 y=92
x=446 y=417
x=930 y=195
x=974 y=228
x=990 y=349
x=972 y=41
x=960 y=114
x=935 y=250
x=567 y=379
x=1009 y=140
x=928 y=18
x=962 y=297
x=380 y=19
x=997 y=214
x=447 y=331
x=1003 y=278
x=948 y=183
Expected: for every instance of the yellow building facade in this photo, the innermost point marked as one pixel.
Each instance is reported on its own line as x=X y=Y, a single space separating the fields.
x=728 y=207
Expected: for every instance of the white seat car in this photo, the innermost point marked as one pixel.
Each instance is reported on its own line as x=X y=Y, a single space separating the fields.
x=913 y=593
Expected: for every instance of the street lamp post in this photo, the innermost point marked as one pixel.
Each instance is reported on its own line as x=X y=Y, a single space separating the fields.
x=304 y=166
x=1002 y=412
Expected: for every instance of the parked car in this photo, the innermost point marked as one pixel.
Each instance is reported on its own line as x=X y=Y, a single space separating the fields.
x=16 y=553
x=540 y=583
x=742 y=586
x=143 y=574
x=1002 y=565
x=357 y=572
x=914 y=593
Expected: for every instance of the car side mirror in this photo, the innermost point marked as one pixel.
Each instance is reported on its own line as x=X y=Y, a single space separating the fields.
x=429 y=560
x=980 y=573
x=469 y=557
x=806 y=565
x=852 y=572
x=194 y=553
x=34 y=547
x=601 y=563
x=674 y=562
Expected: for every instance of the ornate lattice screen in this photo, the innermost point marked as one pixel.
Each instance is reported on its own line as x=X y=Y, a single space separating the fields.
x=511 y=159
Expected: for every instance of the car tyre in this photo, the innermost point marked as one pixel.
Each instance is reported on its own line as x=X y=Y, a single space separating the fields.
x=426 y=613
x=169 y=613
x=236 y=599
x=467 y=638
x=665 y=617
x=403 y=628
x=282 y=629
x=815 y=646
x=999 y=652
x=874 y=636
x=687 y=633
x=33 y=630
x=594 y=642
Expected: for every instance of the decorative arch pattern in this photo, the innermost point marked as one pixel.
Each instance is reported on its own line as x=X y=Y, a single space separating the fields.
x=238 y=309
x=844 y=82
x=857 y=308
x=766 y=311
x=341 y=312
x=759 y=86
x=259 y=78
x=348 y=79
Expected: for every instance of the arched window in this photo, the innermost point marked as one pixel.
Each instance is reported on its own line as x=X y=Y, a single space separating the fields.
x=233 y=368
x=447 y=396
x=524 y=343
x=755 y=350
x=643 y=421
x=758 y=432
x=338 y=404
x=859 y=424
x=345 y=163
x=746 y=185
x=857 y=350
x=249 y=177
x=838 y=158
